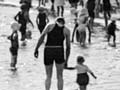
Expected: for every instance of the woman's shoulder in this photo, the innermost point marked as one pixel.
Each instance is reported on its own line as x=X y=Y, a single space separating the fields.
x=50 y=26
x=66 y=31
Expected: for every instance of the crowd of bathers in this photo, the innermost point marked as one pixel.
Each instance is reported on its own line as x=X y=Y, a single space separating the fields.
x=57 y=33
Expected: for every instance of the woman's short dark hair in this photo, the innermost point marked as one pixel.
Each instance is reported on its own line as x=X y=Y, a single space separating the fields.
x=61 y=20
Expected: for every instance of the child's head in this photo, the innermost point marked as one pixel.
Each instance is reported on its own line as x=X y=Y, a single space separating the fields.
x=113 y=19
x=80 y=59
x=15 y=26
x=23 y=7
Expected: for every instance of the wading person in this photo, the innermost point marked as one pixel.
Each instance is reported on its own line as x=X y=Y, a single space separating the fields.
x=54 y=50
x=80 y=28
x=42 y=19
x=111 y=31
x=82 y=73
x=14 y=45
x=22 y=18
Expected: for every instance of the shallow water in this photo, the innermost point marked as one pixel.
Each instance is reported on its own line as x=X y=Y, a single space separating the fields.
x=101 y=58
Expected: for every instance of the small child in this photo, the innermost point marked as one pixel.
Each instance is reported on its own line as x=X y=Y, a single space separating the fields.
x=82 y=70
x=111 y=31
x=14 y=45
x=42 y=19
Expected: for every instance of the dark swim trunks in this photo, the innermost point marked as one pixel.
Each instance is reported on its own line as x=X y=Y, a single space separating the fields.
x=53 y=54
x=82 y=79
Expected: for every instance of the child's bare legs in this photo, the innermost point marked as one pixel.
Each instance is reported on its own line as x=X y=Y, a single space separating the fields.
x=82 y=87
x=114 y=40
x=13 y=61
x=109 y=36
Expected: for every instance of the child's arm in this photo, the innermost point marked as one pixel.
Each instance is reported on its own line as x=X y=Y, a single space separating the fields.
x=93 y=75
x=70 y=68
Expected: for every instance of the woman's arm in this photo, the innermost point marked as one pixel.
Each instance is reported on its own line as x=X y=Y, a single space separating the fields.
x=40 y=41
x=68 y=45
x=16 y=16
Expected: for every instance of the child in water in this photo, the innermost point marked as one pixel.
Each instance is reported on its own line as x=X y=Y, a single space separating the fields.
x=111 y=31
x=14 y=45
x=82 y=76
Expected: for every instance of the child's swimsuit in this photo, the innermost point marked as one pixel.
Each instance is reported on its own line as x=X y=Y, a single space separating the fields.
x=14 y=43
x=82 y=76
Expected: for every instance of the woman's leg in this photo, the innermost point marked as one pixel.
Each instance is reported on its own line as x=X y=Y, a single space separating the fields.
x=59 y=69
x=49 y=76
x=13 y=61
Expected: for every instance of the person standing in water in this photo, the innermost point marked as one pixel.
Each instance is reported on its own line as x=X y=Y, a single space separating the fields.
x=42 y=19
x=14 y=45
x=82 y=73
x=54 y=50
x=22 y=18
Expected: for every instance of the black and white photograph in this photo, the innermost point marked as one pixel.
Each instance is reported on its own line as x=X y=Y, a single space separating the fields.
x=59 y=44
